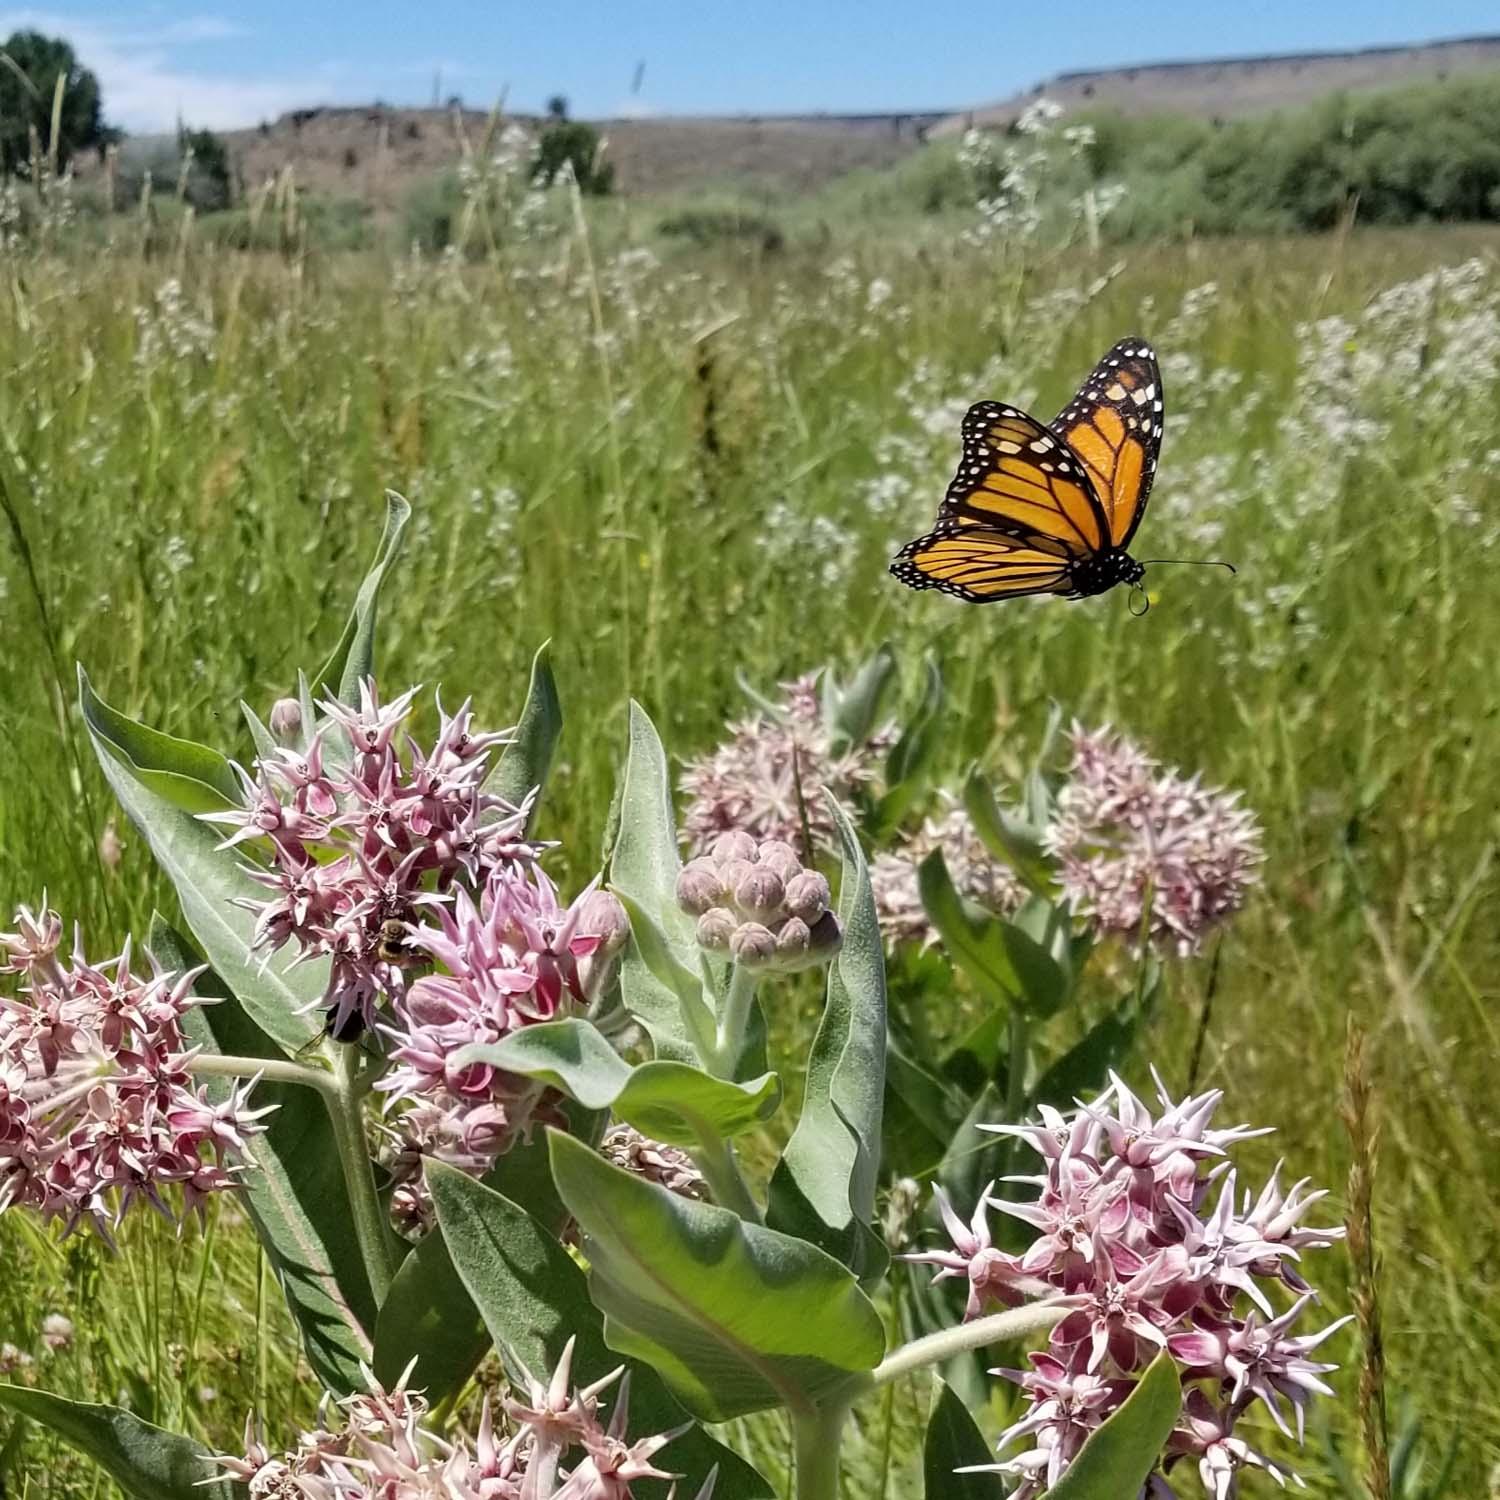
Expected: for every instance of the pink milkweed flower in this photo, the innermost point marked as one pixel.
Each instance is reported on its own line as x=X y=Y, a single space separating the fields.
x=989 y=1272
x=1145 y=1236
x=98 y=1106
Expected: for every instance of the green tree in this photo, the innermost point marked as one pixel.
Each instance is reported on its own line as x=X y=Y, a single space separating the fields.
x=210 y=183
x=572 y=143
x=30 y=65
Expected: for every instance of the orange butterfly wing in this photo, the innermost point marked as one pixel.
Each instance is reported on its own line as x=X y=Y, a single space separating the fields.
x=980 y=564
x=1016 y=476
x=1113 y=427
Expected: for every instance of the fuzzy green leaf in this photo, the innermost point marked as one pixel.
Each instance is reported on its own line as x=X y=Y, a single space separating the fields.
x=735 y=1318
x=295 y=1193
x=954 y=1442
x=668 y=1101
x=524 y=763
x=644 y=866
x=1118 y=1457
x=353 y=658
x=824 y=1186
x=533 y=1297
x=147 y=1462
x=853 y=709
x=1011 y=839
x=208 y=880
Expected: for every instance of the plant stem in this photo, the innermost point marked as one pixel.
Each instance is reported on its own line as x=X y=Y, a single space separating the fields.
x=731 y=1032
x=715 y=1159
x=272 y=1069
x=371 y=1226
x=1017 y=1322
x=818 y=1435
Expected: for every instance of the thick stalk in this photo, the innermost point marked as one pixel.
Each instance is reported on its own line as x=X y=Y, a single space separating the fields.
x=736 y=1016
x=272 y=1069
x=819 y=1434
x=1018 y=1322
x=371 y=1226
x=715 y=1159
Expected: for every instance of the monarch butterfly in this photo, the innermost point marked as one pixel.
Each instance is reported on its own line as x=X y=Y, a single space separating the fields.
x=1037 y=509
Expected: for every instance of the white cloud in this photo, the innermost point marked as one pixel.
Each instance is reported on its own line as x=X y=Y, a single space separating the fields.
x=147 y=88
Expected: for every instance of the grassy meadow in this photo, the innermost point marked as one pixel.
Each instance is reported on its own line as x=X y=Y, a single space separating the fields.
x=684 y=467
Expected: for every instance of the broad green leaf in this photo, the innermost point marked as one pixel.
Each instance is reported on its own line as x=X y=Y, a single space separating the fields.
x=353 y=658
x=265 y=741
x=854 y=708
x=734 y=1317
x=954 y=1442
x=1009 y=838
x=188 y=776
x=823 y=1188
x=428 y=1312
x=974 y=939
x=644 y=866
x=524 y=763
x=208 y=880
x=1044 y=982
x=295 y=1194
x=920 y=1113
x=664 y=966
x=145 y=1461
x=1118 y=1457
x=668 y=1101
x=533 y=1297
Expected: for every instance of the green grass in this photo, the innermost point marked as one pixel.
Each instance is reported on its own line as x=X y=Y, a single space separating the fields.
x=690 y=497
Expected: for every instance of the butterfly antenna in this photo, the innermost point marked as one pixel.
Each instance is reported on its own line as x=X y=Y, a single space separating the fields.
x=1189 y=562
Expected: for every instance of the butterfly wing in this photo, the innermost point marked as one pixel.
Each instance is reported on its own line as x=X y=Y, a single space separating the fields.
x=1017 y=477
x=980 y=564
x=1113 y=427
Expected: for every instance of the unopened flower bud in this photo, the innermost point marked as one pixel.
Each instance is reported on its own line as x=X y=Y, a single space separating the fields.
x=826 y=936
x=776 y=854
x=286 y=720
x=807 y=896
x=732 y=871
x=716 y=927
x=753 y=945
x=793 y=941
x=699 y=887
x=110 y=847
x=736 y=845
x=604 y=917
x=759 y=894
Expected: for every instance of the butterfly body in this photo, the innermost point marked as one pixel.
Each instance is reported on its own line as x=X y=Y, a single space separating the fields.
x=1048 y=509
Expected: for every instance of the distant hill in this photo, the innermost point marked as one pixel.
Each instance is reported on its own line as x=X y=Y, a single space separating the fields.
x=378 y=152
x=1221 y=88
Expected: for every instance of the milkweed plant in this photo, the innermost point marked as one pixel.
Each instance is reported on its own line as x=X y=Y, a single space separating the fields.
x=467 y=1112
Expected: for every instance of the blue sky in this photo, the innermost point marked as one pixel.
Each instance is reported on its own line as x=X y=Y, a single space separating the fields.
x=237 y=63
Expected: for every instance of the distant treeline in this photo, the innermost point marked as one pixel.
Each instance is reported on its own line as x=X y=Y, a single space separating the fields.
x=1414 y=155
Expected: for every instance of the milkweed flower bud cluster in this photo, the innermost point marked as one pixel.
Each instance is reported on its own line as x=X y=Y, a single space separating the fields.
x=98 y=1108
x=1134 y=843
x=751 y=781
x=552 y=1440
x=366 y=830
x=975 y=873
x=1145 y=1236
x=756 y=903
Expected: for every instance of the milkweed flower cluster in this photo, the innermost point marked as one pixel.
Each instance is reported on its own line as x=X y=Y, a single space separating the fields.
x=423 y=890
x=98 y=1109
x=975 y=873
x=1145 y=1237
x=1135 y=850
x=1137 y=845
x=752 y=780
x=669 y=1166
x=367 y=830
x=374 y=1446
x=514 y=958
x=756 y=903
